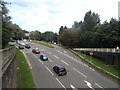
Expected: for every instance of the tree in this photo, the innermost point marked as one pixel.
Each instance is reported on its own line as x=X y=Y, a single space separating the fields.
x=62 y=29
x=6 y=34
x=90 y=21
x=68 y=38
x=55 y=37
x=35 y=35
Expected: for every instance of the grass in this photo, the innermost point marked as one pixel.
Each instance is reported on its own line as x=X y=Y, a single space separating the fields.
x=25 y=79
x=98 y=63
x=44 y=43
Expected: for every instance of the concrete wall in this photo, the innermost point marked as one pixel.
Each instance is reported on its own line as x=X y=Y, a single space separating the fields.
x=9 y=77
x=8 y=67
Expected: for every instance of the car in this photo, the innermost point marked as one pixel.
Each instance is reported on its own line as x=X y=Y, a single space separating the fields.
x=23 y=44
x=43 y=57
x=27 y=46
x=36 y=51
x=21 y=47
x=60 y=70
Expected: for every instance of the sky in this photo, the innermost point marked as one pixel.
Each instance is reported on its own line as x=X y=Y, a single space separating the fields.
x=50 y=15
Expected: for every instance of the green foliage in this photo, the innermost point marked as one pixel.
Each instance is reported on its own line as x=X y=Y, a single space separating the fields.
x=62 y=29
x=24 y=74
x=44 y=43
x=35 y=35
x=68 y=38
x=91 y=33
x=9 y=30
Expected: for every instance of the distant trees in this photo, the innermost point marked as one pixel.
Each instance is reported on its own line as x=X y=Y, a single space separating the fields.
x=91 y=33
x=35 y=35
x=47 y=36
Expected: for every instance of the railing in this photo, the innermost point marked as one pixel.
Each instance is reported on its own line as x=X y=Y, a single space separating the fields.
x=6 y=56
x=110 y=50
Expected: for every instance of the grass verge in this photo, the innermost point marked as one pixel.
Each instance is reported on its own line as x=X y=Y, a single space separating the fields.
x=95 y=62
x=44 y=43
x=25 y=79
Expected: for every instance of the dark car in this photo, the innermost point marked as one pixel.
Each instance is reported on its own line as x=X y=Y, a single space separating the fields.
x=43 y=57
x=21 y=47
x=60 y=70
x=27 y=46
x=36 y=51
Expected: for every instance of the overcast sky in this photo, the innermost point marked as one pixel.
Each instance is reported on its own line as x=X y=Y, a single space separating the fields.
x=49 y=15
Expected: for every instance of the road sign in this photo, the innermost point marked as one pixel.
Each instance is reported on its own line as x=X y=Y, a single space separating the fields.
x=91 y=53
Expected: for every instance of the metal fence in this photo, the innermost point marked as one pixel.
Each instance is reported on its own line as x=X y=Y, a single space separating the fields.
x=110 y=50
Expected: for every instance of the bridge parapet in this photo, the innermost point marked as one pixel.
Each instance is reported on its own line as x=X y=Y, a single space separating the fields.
x=6 y=56
x=109 y=50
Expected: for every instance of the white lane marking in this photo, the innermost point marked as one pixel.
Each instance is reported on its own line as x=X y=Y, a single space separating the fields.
x=27 y=59
x=65 y=52
x=80 y=73
x=79 y=62
x=50 y=60
x=61 y=84
x=98 y=85
x=58 y=51
x=92 y=69
x=73 y=87
x=49 y=70
x=39 y=59
x=64 y=62
x=76 y=60
x=56 y=56
x=89 y=84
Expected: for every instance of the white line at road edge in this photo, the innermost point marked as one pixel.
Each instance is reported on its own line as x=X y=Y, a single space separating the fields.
x=64 y=62
x=49 y=70
x=80 y=73
x=98 y=85
x=61 y=84
x=29 y=64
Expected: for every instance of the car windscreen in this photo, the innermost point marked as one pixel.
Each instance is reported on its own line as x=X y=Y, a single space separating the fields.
x=44 y=55
x=36 y=49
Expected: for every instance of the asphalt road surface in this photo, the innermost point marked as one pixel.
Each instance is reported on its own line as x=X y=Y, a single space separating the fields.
x=79 y=75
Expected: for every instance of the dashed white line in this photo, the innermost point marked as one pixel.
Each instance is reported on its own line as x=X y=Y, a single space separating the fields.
x=39 y=59
x=64 y=62
x=98 y=85
x=49 y=70
x=58 y=51
x=56 y=56
x=78 y=61
x=80 y=73
x=61 y=84
x=50 y=60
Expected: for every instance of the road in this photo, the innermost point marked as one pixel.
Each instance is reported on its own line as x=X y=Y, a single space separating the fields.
x=79 y=75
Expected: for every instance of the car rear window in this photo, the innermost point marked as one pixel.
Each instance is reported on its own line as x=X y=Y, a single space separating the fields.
x=61 y=67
